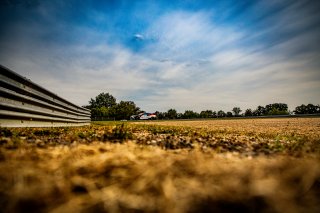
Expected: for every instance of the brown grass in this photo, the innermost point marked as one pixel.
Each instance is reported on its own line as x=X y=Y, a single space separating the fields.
x=269 y=126
x=109 y=169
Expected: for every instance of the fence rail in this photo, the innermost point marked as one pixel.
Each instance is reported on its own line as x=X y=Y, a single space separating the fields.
x=26 y=104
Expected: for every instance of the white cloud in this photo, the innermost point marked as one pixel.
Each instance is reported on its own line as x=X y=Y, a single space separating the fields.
x=138 y=37
x=81 y=72
x=191 y=63
x=187 y=36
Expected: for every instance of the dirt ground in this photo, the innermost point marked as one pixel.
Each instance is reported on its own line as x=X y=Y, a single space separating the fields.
x=248 y=165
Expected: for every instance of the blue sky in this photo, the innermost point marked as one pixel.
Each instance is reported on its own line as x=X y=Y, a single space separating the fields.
x=185 y=55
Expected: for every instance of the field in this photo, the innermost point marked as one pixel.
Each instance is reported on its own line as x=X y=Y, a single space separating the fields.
x=236 y=165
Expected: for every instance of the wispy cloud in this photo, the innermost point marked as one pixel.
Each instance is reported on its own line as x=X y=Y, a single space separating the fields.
x=138 y=37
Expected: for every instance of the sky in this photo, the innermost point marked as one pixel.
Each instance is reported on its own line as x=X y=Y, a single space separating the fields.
x=185 y=54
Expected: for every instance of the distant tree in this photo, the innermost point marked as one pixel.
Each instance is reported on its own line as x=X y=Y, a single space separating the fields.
x=277 y=109
x=102 y=106
x=179 y=115
x=189 y=114
x=307 y=109
x=302 y=109
x=313 y=109
x=214 y=114
x=206 y=114
x=103 y=99
x=125 y=109
x=172 y=114
x=248 y=112
x=105 y=107
x=260 y=111
x=229 y=114
x=160 y=115
x=203 y=114
x=105 y=112
x=221 y=114
x=236 y=111
x=97 y=112
x=102 y=113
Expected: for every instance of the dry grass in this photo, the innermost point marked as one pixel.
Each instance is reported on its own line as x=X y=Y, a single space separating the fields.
x=135 y=169
x=306 y=127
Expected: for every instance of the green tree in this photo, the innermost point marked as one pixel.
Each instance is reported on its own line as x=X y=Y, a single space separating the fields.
x=221 y=114
x=214 y=114
x=236 y=111
x=189 y=114
x=248 y=112
x=307 y=109
x=229 y=114
x=103 y=99
x=179 y=115
x=102 y=113
x=277 y=109
x=172 y=114
x=260 y=111
x=160 y=115
x=105 y=107
x=206 y=114
x=102 y=106
x=125 y=109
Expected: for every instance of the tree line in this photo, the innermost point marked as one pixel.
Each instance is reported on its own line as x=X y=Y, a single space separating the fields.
x=105 y=107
